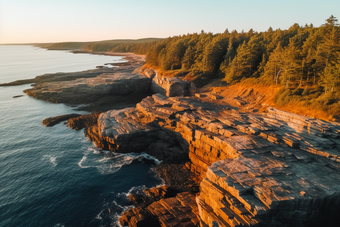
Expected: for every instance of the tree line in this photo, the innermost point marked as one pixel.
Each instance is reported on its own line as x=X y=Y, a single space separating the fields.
x=304 y=60
x=303 y=54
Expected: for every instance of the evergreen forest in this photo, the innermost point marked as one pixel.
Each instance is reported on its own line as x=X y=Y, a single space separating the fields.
x=303 y=60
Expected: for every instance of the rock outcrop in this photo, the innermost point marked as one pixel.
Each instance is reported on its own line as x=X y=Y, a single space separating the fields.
x=87 y=90
x=261 y=169
x=106 y=88
x=50 y=121
x=83 y=121
x=180 y=211
x=168 y=86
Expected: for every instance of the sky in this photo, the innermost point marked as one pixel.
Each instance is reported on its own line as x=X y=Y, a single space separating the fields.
x=44 y=21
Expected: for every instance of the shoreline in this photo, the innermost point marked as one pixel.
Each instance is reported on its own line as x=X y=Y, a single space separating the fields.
x=130 y=57
x=221 y=163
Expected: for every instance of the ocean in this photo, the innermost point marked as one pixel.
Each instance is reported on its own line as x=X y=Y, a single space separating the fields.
x=54 y=176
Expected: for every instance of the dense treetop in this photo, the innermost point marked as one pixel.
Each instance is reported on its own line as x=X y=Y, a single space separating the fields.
x=304 y=60
x=305 y=54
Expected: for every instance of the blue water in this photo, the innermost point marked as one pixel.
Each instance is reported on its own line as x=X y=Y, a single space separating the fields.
x=54 y=176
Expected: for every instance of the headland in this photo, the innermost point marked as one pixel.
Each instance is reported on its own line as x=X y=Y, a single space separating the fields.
x=225 y=162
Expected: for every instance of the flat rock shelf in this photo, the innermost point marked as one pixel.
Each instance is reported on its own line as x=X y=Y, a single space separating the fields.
x=255 y=169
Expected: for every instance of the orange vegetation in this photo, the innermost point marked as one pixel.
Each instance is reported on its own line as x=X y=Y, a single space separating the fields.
x=260 y=96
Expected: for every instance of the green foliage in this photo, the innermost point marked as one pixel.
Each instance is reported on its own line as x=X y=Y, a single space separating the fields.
x=305 y=60
x=138 y=46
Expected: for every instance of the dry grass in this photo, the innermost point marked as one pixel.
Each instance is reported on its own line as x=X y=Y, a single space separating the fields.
x=259 y=96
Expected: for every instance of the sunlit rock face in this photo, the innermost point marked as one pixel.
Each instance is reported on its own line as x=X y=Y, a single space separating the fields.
x=85 y=90
x=120 y=84
x=286 y=173
x=260 y=169
x=168 y=86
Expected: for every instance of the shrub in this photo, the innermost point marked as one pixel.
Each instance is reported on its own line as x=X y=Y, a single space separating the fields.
x=279 y=93
x=284 y=98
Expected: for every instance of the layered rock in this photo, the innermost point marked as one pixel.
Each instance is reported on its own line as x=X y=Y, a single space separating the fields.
x=106 y=88
x=122 y=131
x=261 y=169
x=168 y=86
x=180 y=211
x=87 y=90
x=83 y=121
x=50 y=121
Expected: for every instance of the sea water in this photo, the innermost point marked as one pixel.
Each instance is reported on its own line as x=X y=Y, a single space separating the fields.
x=54 y=176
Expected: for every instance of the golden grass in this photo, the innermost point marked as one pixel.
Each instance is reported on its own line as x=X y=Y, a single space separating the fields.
x=263 y=94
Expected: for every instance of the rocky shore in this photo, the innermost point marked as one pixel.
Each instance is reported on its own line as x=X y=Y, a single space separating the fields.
x=105 y=88
x=253 y=168
x=223 y=164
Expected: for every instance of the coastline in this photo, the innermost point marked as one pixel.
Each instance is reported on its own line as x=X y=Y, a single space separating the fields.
x=129 y=57
x=57 y=152
x=165 y=171
x=211 y=146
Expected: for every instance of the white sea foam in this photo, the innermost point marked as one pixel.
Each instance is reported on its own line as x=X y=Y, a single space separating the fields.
x=113 y=164
x=117 y=215
x=133 y=190
x=109 y=162
x=95 y=149
x=149 y=157
x=113 y=211
x=51 y=158
x=145 y=156
x=80 y=163
x=136 y=190
x=83 y=159
x=99 y=217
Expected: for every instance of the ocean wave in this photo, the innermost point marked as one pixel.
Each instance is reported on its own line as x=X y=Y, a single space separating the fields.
x=83 y=159
x=112 y=211
x=117 y=215
x=109 y=162
x=80 y=163
x=149 y=157
x=95 y=150
x=145 y=156
x=133 y=190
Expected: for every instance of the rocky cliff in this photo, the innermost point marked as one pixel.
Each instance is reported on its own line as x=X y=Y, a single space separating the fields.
x=104 y=88
x=168 y=86
x=261 y=169
x=254 y=169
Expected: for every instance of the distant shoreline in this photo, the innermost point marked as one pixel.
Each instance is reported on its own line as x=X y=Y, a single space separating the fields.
x=129 y=57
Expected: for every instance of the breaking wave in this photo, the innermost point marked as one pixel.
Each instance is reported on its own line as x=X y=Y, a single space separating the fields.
x=108 y=162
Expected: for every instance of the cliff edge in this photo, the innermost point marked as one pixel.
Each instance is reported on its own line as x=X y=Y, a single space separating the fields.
x=256 y=169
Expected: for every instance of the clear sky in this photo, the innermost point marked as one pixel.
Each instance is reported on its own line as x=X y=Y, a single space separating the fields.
x=34 y=21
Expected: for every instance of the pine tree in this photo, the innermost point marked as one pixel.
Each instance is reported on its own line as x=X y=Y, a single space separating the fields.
x=275 y=64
